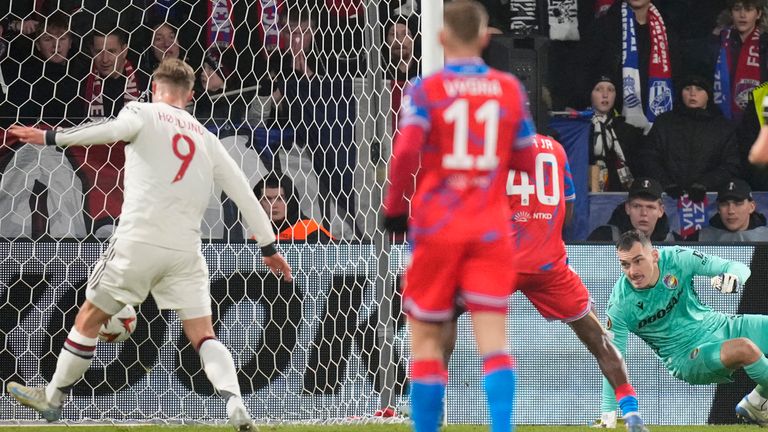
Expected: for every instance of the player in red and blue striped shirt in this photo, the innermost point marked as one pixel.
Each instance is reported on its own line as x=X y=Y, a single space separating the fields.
x=458 y=132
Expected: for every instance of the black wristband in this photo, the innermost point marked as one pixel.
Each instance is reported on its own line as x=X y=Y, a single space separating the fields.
x=268 y=250
x=50 y=137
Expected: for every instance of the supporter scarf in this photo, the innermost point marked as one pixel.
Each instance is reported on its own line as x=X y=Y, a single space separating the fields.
x=563 y=20
x=93 y=88
x=602 y=6
x=606 y=142
x=523 y=17
x=219 y=27
x=731 y=93
x=269 y=23
x=659 y=70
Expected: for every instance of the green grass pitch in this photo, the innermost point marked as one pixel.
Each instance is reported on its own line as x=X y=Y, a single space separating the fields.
x=357 y=428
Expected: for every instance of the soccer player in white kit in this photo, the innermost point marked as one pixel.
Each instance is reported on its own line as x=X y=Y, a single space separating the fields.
x=171 y=164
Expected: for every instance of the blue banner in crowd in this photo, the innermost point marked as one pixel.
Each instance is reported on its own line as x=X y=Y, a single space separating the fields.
x=574 y=136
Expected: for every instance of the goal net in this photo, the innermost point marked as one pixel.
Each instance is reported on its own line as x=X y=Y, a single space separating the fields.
x=302 y=93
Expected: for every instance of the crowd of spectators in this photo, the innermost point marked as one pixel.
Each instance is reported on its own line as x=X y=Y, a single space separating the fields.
x=674 y=96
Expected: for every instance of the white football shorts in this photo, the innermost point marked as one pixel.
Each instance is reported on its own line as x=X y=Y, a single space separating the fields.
x=129 y=271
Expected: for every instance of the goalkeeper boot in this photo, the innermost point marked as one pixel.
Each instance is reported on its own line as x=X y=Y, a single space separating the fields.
x=34 y=397
x=607 y=420
x=634 y=423
x=239 y=417
x=752 y=413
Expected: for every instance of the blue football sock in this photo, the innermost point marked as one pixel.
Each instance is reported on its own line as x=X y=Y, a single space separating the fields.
x=426 y=405
x=500 y=392
x=629 y=404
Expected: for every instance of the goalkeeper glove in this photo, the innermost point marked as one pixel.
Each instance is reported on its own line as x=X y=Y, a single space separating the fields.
x=607 y=420
x=726 y=283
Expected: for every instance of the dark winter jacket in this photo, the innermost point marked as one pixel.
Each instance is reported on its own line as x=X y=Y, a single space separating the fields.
x=716 y=231
x=687 y=146
x=620 y=223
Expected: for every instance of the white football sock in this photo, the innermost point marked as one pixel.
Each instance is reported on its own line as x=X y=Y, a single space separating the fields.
x=219 y=367
x=755 y=399
x=74 y=360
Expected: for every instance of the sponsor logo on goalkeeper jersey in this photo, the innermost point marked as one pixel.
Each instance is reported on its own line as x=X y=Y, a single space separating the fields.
x=661 y=313
x=670 y=281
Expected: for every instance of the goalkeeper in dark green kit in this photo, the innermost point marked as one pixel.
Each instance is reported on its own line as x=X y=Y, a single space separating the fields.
x=655 y=300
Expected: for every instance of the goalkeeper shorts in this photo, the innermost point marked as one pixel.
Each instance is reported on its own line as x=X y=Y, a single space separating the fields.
x=702 y=365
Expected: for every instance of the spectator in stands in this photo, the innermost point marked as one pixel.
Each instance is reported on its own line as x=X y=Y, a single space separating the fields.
x=340 y=35
x=400 y=59
x=613 y=159
x=113 y=80
x=112 y=83
x=164 y=45
x=47 y=86
x=278 y=197
x=742 y=62
x=643 y=210
x=693 y=22
x=225 y=43
x=736 y=218
x=646 y=72
x=321 y=110
x=692 y=149
x=48 y=81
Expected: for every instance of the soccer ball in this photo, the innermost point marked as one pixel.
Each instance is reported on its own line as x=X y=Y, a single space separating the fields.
x=120 y=326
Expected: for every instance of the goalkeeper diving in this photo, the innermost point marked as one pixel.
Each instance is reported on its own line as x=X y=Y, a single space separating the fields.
x=655 y=300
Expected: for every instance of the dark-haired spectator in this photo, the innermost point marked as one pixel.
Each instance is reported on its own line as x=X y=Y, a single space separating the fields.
x=401 y=59
x=631 y=41
x=278 y=198
x=643 y=210
x=736 y=218
x=46 y=89
x=112 y=83
x=321 y=110
x=742 y=62
x=164 y=45
x=113 y=80
x=615 y=143
x=692 y=149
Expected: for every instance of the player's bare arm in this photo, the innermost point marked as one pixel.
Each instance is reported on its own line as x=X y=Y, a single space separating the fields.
x=279 y=266
x=28 y=134
x=758 y=154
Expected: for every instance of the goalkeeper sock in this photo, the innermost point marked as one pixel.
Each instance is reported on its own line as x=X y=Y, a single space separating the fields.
x=758 y=371
x=74 y=360
x=428 y=380
x=219 y=367
x=627 y=399
x=499 y=382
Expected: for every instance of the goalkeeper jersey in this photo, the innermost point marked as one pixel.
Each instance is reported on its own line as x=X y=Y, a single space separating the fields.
x=669 y=317
x=171 y=164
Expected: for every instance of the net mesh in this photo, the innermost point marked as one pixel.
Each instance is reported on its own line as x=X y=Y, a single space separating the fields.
x=303 y=90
